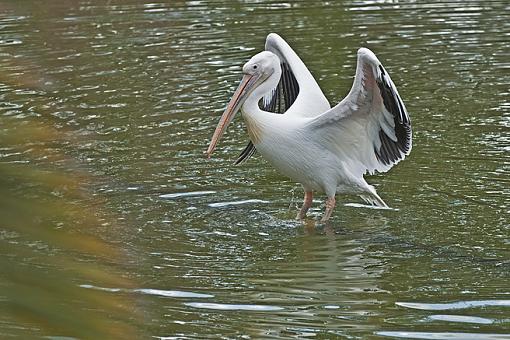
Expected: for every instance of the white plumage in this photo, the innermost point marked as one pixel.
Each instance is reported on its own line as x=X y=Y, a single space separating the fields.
x=325 y=149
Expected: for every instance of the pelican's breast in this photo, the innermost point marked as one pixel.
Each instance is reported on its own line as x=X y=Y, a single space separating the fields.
x=281 y=140
x=254 y=129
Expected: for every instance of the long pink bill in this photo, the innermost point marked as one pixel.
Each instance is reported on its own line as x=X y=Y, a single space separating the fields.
x=232 y=108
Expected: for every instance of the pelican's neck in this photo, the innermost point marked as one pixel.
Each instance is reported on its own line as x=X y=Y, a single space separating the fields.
x=251 y=105
x=259 y=121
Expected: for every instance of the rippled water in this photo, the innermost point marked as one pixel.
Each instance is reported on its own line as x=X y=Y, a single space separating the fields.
x=138 y=87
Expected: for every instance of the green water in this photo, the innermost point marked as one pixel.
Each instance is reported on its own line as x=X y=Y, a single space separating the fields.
x=203 y=249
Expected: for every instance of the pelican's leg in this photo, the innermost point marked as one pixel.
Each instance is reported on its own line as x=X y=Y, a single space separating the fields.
x=330 y=205
x=307 y=203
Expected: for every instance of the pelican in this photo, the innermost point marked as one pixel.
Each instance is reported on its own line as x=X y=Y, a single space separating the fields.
x=326 y=149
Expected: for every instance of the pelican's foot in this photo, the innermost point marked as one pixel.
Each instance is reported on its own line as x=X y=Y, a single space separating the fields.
x=330 y=205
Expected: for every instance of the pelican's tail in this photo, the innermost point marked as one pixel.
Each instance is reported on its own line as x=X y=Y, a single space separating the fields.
x=372 y=198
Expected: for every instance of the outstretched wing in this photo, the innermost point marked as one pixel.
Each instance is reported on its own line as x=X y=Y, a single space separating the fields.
x=297 y=89
x=370 y=128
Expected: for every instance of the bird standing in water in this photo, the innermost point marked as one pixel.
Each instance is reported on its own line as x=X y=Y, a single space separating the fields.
x=327 y=150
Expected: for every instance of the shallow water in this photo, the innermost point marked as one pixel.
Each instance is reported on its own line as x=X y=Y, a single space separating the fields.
x=212 y=250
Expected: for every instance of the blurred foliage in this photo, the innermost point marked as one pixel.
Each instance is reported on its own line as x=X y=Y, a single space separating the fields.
x=50 y=243
x=48 y=246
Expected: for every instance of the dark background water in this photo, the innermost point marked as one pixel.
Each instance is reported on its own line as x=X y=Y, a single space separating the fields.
x=133 y=91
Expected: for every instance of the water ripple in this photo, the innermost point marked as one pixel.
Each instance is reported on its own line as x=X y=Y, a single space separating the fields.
x=149 y=291
x=233 y=203
x=455 y=305
x=461 y=318
x=186 y=194
x=234 y=307
x=444 y=335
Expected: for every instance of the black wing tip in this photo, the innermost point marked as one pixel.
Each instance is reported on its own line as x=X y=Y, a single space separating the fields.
x=392 y=151
x=381 y=68
x=248 y=151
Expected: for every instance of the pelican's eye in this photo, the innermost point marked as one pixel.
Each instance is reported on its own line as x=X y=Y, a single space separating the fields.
x=255 y=67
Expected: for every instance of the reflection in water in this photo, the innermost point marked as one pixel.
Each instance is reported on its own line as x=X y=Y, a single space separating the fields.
x=135 y=89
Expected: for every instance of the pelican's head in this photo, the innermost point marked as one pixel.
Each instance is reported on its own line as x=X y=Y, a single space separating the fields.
x=261 y=74
x=263 y=63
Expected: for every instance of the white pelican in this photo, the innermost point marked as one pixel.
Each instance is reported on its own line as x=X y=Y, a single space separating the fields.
x=325 y=149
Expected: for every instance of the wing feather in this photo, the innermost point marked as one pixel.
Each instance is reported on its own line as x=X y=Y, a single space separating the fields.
x=370 y=129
